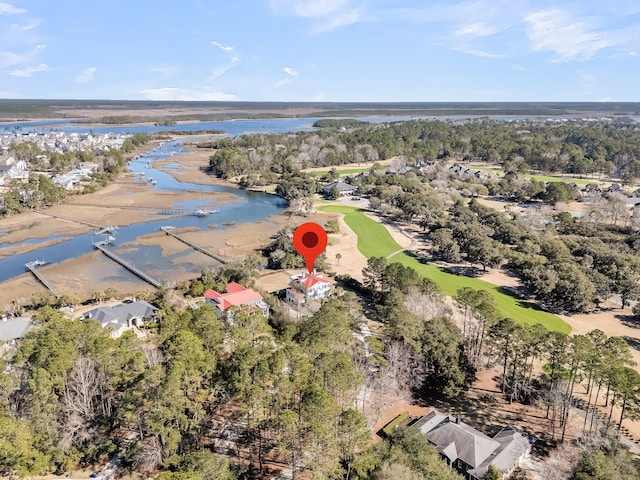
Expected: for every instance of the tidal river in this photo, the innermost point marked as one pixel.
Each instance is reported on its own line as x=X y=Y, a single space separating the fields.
x=249 y=207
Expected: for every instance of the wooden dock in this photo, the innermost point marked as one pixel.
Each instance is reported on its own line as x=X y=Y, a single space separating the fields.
x=198 y=248
x=76 y=220
x=33 y=268
x=132 y=268
x=160 y=211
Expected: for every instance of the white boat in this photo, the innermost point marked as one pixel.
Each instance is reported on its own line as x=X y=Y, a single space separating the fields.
x=214 y=211
x=201 y=213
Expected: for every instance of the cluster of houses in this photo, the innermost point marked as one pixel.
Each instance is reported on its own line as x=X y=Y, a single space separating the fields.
x=71 y=179
x=12 y=169
x=61 y=142
x=303 y=287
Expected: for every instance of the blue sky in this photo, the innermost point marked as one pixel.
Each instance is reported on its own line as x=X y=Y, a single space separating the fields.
x=321 y=50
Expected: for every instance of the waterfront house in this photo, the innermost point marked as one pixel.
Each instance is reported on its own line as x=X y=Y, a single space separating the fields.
x=308 y=286
x=124 y=317
x=470 y=451
x=14 y=329
x=236 y=299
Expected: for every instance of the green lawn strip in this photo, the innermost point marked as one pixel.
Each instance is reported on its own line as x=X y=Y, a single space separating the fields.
x=548 y=178
x=542 y=178
x=321 y=173
x=374 y=240
x=390 y=427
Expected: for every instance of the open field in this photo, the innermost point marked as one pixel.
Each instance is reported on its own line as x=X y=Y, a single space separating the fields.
x=375 y=240
x=12 y=109
x=543 y=178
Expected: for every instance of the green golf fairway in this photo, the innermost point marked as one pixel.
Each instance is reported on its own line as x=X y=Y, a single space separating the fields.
x=374 y=240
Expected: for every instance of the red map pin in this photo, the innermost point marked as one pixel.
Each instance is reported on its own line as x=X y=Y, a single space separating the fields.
x=310 y=240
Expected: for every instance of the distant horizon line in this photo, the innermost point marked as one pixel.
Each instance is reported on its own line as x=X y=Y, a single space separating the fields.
x=324 y=102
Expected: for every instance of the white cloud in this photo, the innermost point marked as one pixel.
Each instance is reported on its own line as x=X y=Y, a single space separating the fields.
x=478 y=29
x=476 y=52
x=27 y=72
x=222 y=69
x=86 y=75
x=339 y=20
x=329 y=14
x=185 y=94
x=282 y=83
x=7 y=9
x=570 y=38
x=309 y=8
x=224 y=48
x=291 y=73
x=8 y=59
x=164 y=69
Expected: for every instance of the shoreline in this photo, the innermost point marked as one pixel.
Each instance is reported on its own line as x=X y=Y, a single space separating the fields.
x=80 y=276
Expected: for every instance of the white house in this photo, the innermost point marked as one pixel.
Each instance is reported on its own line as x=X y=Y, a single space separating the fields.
x=309 y=286
x=13 y=171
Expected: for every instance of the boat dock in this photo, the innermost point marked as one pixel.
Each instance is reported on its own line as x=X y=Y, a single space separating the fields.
x=76 y=220
x=132 y=268
x=33 y=268
x=215 y=256
x=160 y=211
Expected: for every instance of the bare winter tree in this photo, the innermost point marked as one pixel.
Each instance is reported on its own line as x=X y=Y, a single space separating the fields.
x=561 y=463
x=153 y=355
x=402 y=371
x=86 y=396
x=425 y=305
x=149 y=454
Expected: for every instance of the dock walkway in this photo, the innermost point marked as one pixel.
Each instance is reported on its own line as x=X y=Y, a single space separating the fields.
x=33 y=268
x=198 y=248
x=132 y=268
x=71 y=219
x=161 y=211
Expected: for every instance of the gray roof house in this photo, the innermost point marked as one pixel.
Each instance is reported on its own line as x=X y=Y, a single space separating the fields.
x=123 y=317
x=470 y=451
x=14 y=329
x=342 y=187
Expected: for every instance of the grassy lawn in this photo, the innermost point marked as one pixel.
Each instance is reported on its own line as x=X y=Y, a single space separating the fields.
x=375 y=241
x=321 y=173
x=547 y=178
x=542 y=178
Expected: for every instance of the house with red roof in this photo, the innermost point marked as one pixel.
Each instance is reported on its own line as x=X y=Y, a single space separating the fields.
x=309 y=286
x=236 y=298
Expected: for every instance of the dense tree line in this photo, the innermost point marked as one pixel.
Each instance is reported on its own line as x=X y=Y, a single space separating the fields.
x=577 y=147
x=570 y=270
x=73 y=395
